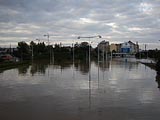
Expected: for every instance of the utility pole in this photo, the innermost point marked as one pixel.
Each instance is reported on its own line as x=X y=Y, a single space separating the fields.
x=89 y=52
x=50 y=54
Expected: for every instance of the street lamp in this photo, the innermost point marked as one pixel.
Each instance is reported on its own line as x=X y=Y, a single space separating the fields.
x=47 y=35
x=89 y=56
x=145 y=51
x=73 y=53
x=98 y=36
x=89 y=60
x=38 y=40
x=32 y=51
x=33 y=48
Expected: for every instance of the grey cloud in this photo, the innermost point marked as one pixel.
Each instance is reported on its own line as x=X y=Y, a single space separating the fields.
x=117 y=20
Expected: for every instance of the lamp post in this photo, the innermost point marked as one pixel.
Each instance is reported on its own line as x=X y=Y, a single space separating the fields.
x=98 y=66
x=89 y=52
x=73 y=56
x=32 y=44
x=38 y=44
x=89 y=37
x=38 y=40
x=47 y=35
x=146 y=51
x=32 y=51
x=89 y=61
x=73 y=53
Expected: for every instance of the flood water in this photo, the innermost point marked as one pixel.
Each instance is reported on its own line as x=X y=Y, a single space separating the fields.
x=114 y=90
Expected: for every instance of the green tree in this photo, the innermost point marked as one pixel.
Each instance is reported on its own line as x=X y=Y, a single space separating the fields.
x=24 y=50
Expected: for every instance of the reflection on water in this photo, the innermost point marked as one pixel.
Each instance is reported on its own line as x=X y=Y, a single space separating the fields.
x=116 y=89
x=82 y=66
x=23 y=69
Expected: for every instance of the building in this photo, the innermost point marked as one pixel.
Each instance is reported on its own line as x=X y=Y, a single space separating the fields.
x=125 y=47
x=129 y=47
x=118 y=48
x=104 y=46
x=115 y=48
x=136 y=47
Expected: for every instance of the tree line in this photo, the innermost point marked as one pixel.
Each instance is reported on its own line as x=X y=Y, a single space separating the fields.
x=42 y=51
x=155 y=54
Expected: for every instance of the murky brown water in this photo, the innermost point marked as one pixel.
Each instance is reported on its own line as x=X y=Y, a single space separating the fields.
x=116 y=90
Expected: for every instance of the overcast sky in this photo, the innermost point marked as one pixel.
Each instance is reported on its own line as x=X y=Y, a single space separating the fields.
x=64 y=20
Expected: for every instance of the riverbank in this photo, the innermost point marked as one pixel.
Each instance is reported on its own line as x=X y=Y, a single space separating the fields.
x=9 y=65
x=151 y=65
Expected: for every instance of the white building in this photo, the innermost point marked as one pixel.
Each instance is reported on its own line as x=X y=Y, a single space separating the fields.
x=129 y=47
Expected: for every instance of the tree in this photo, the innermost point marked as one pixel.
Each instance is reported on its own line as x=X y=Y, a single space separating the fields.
x=24 y=50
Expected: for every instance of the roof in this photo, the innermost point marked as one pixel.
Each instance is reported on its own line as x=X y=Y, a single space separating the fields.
x=131 y=42
x=104 y=42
